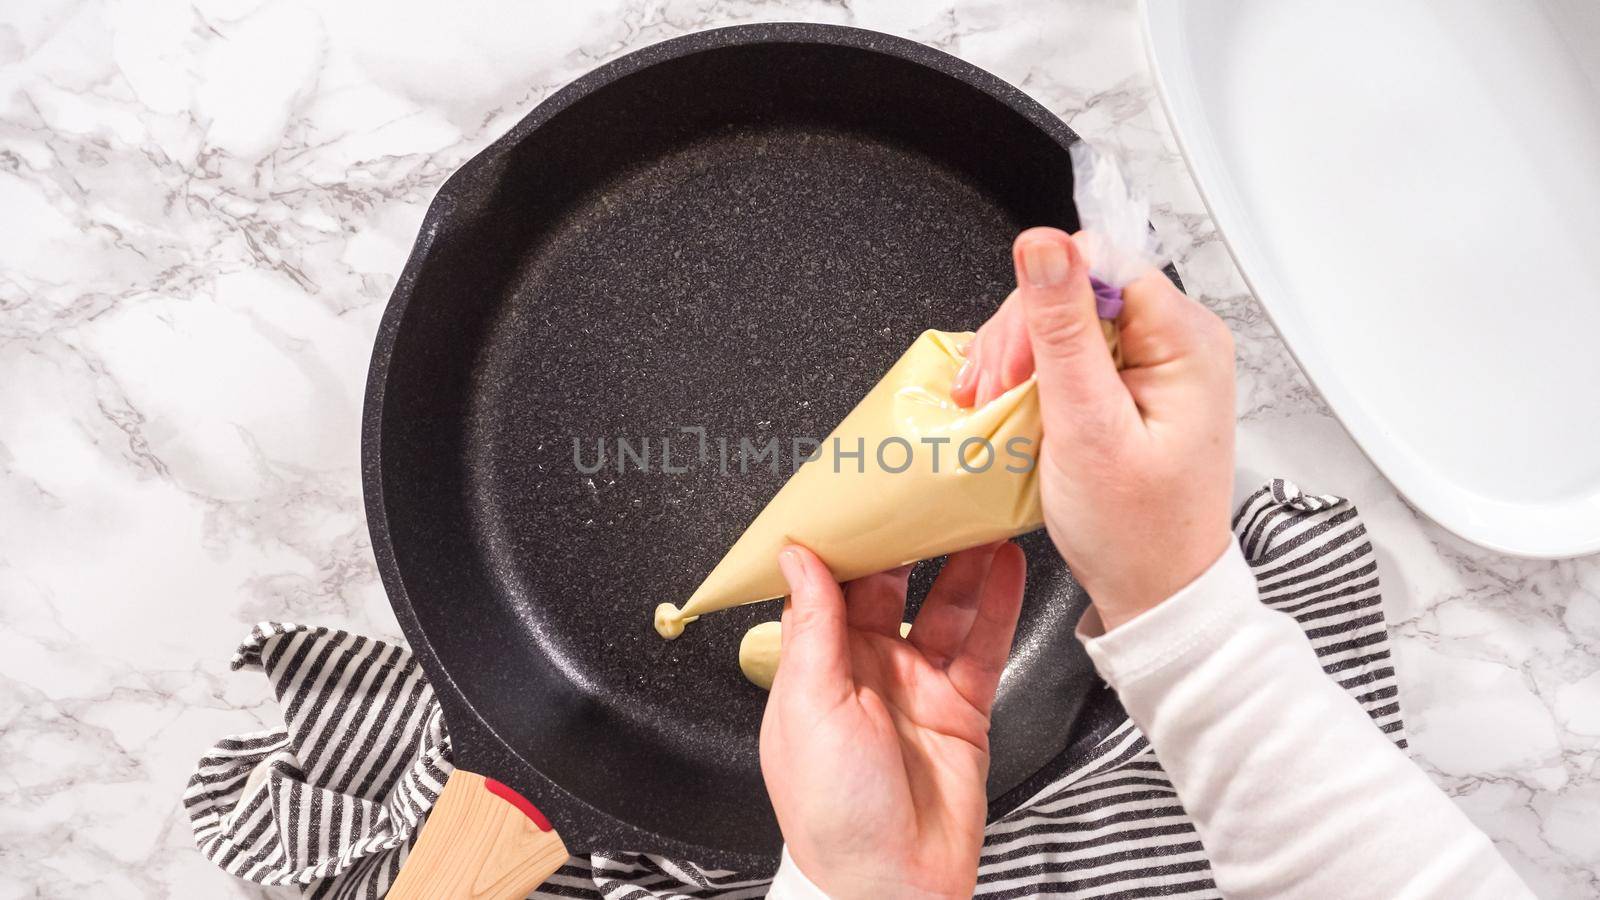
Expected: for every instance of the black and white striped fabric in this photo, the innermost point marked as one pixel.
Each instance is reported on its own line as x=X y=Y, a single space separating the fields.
x=332 y=801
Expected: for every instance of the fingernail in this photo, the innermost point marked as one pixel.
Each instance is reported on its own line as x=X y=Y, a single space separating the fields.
x=964 y=377
x=794 y=571
x=1044 y=263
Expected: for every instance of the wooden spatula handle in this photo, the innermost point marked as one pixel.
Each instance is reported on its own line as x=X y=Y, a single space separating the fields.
x=482 y=841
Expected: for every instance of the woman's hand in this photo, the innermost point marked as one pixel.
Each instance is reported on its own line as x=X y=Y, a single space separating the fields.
x=1136 y=470
x=875 y=748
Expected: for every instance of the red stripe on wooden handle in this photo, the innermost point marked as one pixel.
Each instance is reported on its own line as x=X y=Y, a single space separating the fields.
x=519 y=801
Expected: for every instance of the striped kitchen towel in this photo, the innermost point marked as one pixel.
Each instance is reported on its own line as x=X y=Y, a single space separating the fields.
x=331 y=802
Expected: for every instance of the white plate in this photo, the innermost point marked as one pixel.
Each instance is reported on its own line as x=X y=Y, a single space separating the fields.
x=1412 y=190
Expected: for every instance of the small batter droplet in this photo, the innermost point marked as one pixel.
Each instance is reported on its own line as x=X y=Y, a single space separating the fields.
x=670 y=621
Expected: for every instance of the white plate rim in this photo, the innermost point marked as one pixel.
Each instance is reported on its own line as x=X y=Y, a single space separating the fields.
x=1428 y=493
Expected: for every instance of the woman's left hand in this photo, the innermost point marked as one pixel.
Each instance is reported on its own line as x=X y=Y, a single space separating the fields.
x=875 y=748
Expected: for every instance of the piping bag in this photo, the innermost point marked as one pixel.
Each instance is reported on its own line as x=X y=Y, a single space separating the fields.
x=1116 y=239
x=909 y=475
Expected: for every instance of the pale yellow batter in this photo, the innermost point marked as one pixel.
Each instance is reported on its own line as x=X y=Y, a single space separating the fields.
x=758 y=653
x=860 y=517
x=669 y=621
x=761 y=649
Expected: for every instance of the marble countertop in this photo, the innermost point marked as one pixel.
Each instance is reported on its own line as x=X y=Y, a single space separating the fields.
x=202 y=212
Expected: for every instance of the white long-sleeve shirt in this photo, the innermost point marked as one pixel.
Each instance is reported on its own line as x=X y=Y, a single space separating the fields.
x=1293 y=790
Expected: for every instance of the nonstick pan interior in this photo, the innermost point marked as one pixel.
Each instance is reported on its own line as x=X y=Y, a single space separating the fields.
x=737 y=231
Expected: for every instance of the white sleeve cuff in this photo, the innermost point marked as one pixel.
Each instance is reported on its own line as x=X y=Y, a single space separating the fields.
x=1196 y=618
x=792 y=884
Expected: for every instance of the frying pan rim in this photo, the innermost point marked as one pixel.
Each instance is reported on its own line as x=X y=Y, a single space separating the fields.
x=589 y=827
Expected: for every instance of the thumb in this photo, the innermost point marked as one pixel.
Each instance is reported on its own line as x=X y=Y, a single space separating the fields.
x=815 y=653
x=1078 y=382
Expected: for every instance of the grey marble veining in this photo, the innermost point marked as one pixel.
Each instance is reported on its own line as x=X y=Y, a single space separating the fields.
x=202 y=211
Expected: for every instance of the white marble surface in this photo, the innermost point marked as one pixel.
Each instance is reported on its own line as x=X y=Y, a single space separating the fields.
x=202 y=211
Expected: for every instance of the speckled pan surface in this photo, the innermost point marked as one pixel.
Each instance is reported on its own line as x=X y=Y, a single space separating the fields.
x=738 y=230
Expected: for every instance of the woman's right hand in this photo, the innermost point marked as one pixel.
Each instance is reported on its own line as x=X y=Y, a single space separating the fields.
x=1136 y=470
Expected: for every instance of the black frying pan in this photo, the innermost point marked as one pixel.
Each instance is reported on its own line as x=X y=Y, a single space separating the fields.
x=737 y=230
